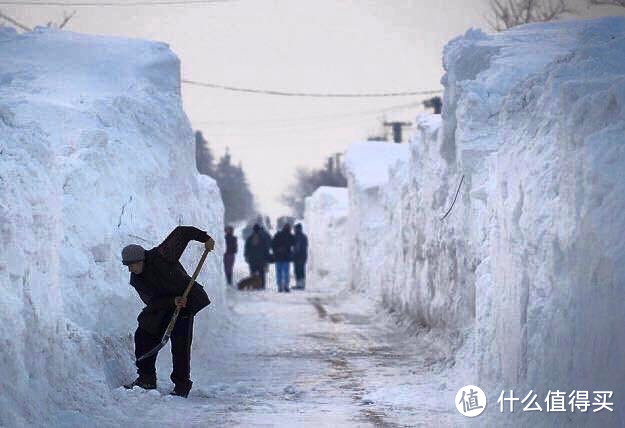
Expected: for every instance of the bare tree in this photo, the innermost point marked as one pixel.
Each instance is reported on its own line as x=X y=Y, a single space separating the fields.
x=510 y=13
x=607 y=2
x=63 y=23
x=65 y=20
x=10 y=20
x=307 y=181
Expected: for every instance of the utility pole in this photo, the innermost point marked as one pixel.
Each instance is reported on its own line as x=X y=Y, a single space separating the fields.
x=330 y=164
x=435 y=102
x=337 y=162
x=333 y=163
x=397 y=127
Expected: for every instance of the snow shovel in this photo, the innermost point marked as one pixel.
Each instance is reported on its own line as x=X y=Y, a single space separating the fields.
x=171 y=324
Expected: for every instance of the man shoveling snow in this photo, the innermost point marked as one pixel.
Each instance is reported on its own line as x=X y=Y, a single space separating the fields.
x=161 y=281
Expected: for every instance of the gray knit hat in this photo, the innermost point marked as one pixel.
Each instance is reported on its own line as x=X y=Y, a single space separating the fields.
x=132 y=253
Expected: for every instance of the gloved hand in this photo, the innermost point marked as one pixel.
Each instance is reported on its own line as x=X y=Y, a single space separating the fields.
x=209 y=244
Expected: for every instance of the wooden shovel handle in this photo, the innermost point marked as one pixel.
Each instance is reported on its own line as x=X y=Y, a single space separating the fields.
x=196 y=273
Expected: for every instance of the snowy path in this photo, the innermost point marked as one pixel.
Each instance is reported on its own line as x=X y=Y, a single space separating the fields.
x=302 y=360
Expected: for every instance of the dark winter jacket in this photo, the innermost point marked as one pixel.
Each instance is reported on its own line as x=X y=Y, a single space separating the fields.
x=164 y=278
x=256 y=250
x=266 y=237
x=282 y=245
x=300 y=248
x=231 y=244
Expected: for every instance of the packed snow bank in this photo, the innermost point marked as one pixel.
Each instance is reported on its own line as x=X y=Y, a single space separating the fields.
x=427 y=265
x=96 y=153
x=529 y=258
x=550 y=295
x=367 y=166
x=400 y=251
x=326 y=227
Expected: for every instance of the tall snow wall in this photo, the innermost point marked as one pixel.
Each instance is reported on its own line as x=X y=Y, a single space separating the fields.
x=529 y=259
x=96 y=153
x=367 y=166
x=326 y=227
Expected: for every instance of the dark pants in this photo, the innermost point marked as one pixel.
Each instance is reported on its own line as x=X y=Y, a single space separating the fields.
x=228 y=265
x=181 y=337
x=258 y=269
x=300 y=270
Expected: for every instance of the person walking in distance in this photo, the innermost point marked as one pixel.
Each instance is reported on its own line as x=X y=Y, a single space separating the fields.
x=282 y=245
x=300 y=255
x=160 y=280
x=230 y=254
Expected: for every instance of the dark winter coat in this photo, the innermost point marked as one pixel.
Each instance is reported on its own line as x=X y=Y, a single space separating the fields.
x=282 y=245
x=300 y=248
x=164 y=278
x=231 y=244
x=266 y=236
x=256 y=250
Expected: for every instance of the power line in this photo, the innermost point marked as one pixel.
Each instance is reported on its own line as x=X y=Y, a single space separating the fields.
x=311 y=94
x=288 y=120
x=311 y=124
x=110 y=3
x=310 y=127
x=285 y=128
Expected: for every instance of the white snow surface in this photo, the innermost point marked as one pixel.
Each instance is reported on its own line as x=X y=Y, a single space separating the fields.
x=520 y=287
x=96 y=153
x=326 y=228
x=526 y=270
x=367 y=166
x=368 y=162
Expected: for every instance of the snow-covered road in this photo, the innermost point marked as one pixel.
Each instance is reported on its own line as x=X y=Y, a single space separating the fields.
x=303 y=359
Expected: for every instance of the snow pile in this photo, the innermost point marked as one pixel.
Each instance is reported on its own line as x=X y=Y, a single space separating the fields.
x=367 y=168
x=326 y=227
x=529 y=258
x=96 y=153
x=550 y=292
x=401 y=252
x=427 y=267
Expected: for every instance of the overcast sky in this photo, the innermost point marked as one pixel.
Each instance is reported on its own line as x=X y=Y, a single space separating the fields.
x=292 y=45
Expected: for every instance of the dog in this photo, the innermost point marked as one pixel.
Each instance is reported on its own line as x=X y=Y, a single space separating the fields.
x=250 y=283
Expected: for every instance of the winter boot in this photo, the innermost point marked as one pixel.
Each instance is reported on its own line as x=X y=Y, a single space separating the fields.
x=145 y=382
x=182 y=389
